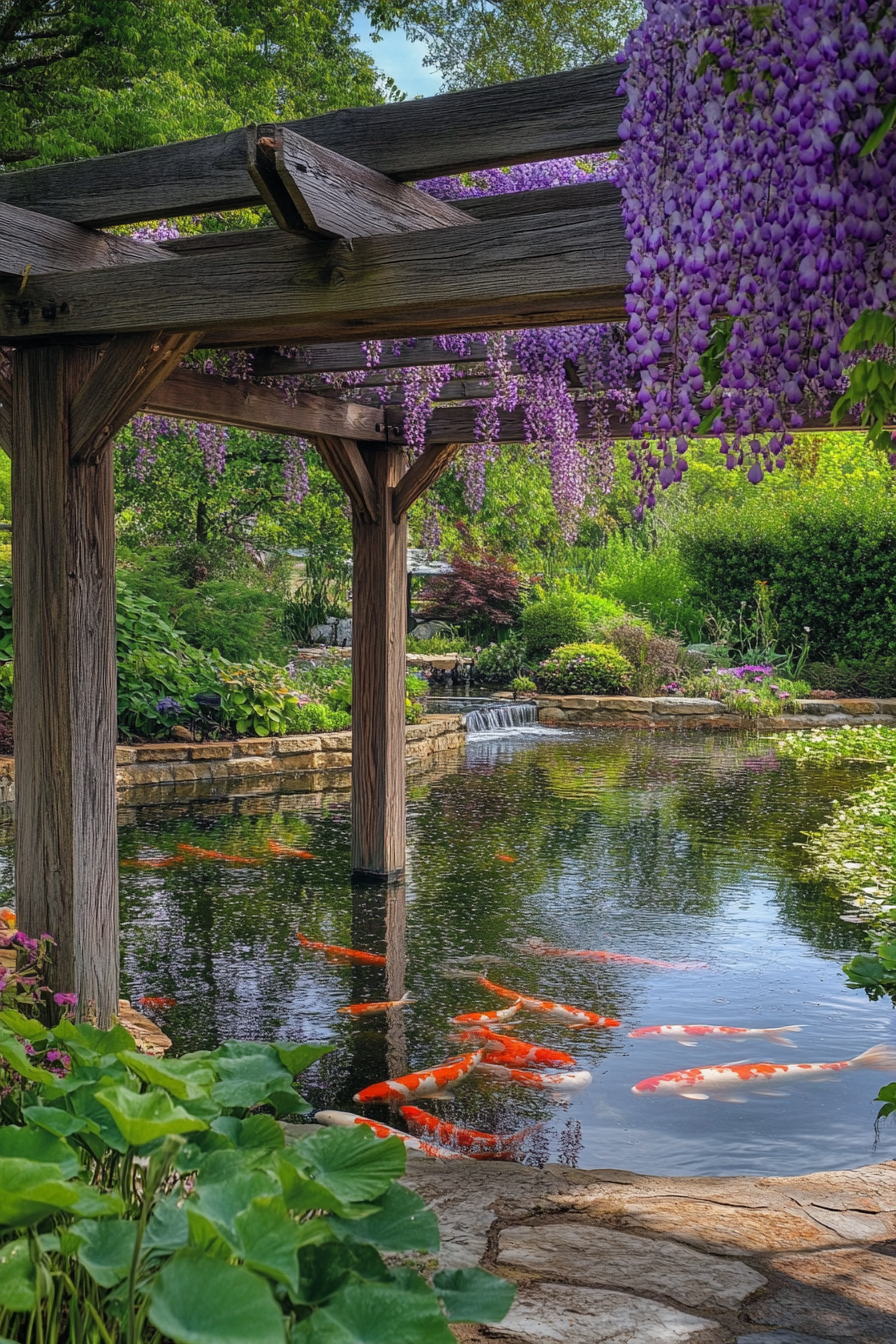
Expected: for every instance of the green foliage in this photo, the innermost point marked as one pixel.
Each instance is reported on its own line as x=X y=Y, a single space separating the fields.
x=323 y=593
x=439 y=644
x=99 y=76
x=649 y=579
x=828 y=559
x=872 y=382
x=339 y=695
x=744 y=691
x=584 y=669
x=522 y=686
x=558 y=619
x=142 y=1195
x=854 y=676
x=502 y=662
x=656 y=660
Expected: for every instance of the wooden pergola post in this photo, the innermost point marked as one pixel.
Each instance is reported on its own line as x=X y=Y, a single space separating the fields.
x=379 y=629
x=65 y=680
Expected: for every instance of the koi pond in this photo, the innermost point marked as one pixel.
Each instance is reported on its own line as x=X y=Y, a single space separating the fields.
x=679 y=848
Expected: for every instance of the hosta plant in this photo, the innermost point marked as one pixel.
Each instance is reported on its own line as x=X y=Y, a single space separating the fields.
x=145 y=1200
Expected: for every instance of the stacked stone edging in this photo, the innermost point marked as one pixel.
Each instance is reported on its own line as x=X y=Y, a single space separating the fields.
x=677 y=711
x=260 y=763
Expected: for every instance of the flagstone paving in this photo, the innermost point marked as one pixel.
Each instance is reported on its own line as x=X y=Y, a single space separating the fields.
x=613 y=1257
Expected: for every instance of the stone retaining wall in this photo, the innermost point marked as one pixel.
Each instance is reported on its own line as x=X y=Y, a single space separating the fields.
x=676 y=711
x=257 y=764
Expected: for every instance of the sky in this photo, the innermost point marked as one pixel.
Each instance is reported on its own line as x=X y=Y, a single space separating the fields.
x=395 y=55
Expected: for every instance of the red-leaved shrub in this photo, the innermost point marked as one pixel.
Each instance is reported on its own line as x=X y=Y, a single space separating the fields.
x=480 y=592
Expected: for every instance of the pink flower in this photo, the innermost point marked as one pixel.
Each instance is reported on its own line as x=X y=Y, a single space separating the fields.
x=65 y=1000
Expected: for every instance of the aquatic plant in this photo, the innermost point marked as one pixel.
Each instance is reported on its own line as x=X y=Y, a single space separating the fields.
x=584 y=669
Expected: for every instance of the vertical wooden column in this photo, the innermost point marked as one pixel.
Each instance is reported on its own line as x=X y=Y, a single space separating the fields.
x=379 y=627
x=65 y=682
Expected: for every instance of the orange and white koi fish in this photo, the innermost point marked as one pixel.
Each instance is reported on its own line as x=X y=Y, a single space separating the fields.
x=472 y=1142
x=539 y=948
x=347 y=1119
x=149 y=1001
x=542 y=1082
x=152 y=863
x=276 y=848
x=198 y=853
x=506 y=858
x=559 y=1012
x=435 y=1082
x=698 y=1084
x=515 y=1052
x=367 y=1009
x=485 y=1019
x=333 y=950
x=678 y=1033
x=8 y=918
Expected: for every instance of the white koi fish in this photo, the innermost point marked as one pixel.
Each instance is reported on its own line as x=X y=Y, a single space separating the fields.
x=698 y=1084
x=678 y=1033
x=542 y=1082
x=486 y=1019
x=347 y=1119
x=435 y=1082
x=558 y=1012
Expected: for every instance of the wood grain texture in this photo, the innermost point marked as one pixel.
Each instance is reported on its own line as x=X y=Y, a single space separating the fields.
x=45 y=245
x=346 y=356
x=379 y=628
x=5 y=413
x=191 y=395
x=575 y=112
x=118 y=386
x=344 y=459
x=335 y=196
x=66 y=720
x=522 y=271
x=423 y=473
x=547 y=201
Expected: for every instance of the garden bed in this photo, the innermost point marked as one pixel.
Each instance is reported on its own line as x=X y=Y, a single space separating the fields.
x=678 y=711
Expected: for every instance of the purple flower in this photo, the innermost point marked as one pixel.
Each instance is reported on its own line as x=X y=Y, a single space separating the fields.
x=66 y=1000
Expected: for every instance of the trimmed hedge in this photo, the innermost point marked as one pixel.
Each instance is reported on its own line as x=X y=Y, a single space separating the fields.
x=829 y=560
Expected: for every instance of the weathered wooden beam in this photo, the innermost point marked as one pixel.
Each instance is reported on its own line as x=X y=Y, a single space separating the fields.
x=307 y=186
x=118 y=386
x=345 y=461
x=379 y=629
x=65 y=674
x=575 y=112
x=523 y=271
x=432 y=463
x=347 y=356
x=5 y=413
x=38 y=244
x=545 y=201
x=191 y=395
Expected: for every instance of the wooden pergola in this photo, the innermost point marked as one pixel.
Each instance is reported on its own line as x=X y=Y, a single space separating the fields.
x=97 y=325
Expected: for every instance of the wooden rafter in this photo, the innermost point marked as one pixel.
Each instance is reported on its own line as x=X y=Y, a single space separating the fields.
x=348 y=356
x=506 y=273
x=575 y=112
x=343 y=457
x=424 y=472
x=36 y=244
x=307 y=186
x=119 y=385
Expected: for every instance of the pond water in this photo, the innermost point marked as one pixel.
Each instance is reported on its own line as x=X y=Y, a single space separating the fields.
x=677 y=847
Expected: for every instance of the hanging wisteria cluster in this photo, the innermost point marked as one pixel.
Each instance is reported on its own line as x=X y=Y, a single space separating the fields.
x=759 y=232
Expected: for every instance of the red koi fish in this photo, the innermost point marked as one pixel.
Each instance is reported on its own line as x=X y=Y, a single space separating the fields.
x=559 y=1012
x=198 y=853
x=484 y=1019
x=539 y=948
x=473 y=1142
x=506 y=858
x=151 y=863
x=151 y=1002
x=541 y=1082
x=332 y=950
x=346 y=1119
x=516 y=1052
x=697 y=1084
x=276 y=848
x=678 y=1032
x=367 y=1009
x=435 y=1082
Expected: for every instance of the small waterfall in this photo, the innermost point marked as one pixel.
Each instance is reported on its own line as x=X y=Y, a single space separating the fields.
x=504 y=716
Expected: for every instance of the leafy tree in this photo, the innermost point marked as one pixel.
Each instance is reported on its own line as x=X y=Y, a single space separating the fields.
x=85 y=77
x=472 y=43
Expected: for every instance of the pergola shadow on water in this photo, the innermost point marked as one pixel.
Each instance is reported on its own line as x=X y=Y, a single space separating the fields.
x=97 y=324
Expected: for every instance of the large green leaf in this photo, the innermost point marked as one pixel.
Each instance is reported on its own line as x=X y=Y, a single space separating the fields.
x=55 y=1121
x=16 y=1055
x=167 y=1228
x=144 y=1116
x=38 y=1146
x=268 y=1239
x=186 y=1081
x=29 y=1191
x=256 y=1131
x=374 y=1313
x=474 y=1295
x=298 y=1058
x=106 y=1248
x=220 y=1201
x=249 y=1073
x=199 y=1300
x=28 y=1027
x=353 y=1163
x=324 y=1269
x=18 y=1280
x=402 y=1222
x=302 y=1194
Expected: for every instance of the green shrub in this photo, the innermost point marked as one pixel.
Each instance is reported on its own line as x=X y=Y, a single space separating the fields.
x=522 y=686
x=754 y=691
x=145 y=1198
x=438 y=644
x=649 y=580
x=829 y=559
x=656 y=660
x=339 y=696
x=558 y=619
x=854 y=676
x=584 y=669
x=502 y=662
